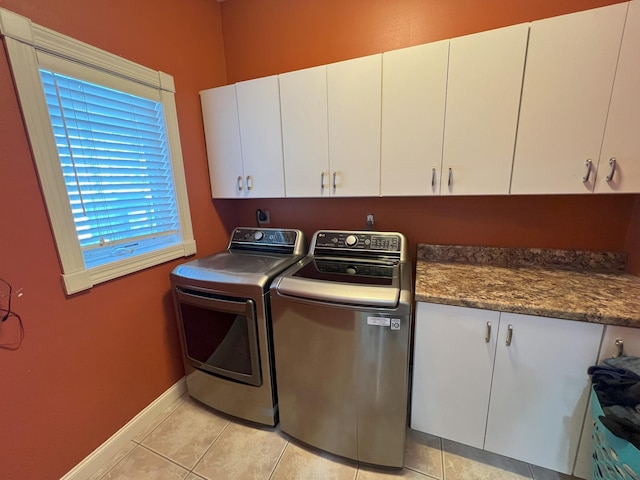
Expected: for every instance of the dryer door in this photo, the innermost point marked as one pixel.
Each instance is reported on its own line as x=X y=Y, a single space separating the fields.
x=219 y=334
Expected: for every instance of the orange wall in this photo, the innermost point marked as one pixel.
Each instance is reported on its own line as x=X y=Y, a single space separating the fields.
x=91 y=362
x=269 y=37
x=265 y=37
x=632 y=244
x=586 y=222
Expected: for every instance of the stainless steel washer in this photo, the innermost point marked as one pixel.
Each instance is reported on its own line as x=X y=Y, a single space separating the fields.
x=342 y=327
x=224 y=320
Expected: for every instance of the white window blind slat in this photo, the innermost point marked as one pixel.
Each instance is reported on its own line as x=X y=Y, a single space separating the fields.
x=114 y=156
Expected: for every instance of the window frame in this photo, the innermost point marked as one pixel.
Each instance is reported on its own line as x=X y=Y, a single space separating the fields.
x=23 y=40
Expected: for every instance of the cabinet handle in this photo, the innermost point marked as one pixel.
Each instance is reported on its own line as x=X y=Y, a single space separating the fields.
x=334 y=179
x=509 y=335
x=321 y=180
x=612 y=164
x=619 y=347
x=239 y=182
x=249 y=182
x=487 y=333
x=450 y=176
x=587 y=174
x=433 y=176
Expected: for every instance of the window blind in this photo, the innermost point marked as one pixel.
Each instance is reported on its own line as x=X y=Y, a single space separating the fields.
x=116 y=166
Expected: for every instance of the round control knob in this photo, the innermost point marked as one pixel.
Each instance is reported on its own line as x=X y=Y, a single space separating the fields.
x=258 y=235
x=351 y=270
x=351 y=240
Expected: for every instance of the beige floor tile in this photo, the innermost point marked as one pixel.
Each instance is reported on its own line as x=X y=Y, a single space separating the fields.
x=298 y=463
x=540 y=473
x=423 y=453
x=370 y=473
x=141 y=464
x=467 y=463
x=112 y=461
x=186 y=434
x=159 y=419
x=242 y=452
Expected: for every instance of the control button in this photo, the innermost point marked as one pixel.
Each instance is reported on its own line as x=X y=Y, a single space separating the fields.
x=351 y=240
x=258 y=235
x=351 y=270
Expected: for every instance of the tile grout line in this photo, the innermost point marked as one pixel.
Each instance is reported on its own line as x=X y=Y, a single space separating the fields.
x=175 y=462
x=444 y=475
x=279 y=458
x=178 y=403
x=104 y=475
x=209 y=447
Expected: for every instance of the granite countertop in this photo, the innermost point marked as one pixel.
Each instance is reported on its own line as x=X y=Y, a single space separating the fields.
x=574 y=285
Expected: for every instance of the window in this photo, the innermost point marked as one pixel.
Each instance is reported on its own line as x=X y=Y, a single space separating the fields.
x=105 y=141
x=115 y=163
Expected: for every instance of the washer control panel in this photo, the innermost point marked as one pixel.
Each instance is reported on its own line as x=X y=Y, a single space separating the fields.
x=380 y=242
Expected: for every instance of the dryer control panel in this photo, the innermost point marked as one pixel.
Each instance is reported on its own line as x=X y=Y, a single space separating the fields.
x=261 y=239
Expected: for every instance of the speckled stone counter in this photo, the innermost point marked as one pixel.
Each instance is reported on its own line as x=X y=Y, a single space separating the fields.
x=585 y=286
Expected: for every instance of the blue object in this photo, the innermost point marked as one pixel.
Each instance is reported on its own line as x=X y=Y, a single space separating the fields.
x=613 y=457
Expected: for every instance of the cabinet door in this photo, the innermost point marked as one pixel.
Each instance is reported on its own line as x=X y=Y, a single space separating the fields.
x=483 y=97
x=622 y=135
x=261 y=136
x=571 y=62
x=452 y=366
x=305 y=142
x=354 y=96
x=414 y=86
x=222 y=136
x=631 y=346
x=540 y=389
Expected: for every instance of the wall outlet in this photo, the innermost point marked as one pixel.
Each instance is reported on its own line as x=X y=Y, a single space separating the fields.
x=263 y=217
x=370 y=221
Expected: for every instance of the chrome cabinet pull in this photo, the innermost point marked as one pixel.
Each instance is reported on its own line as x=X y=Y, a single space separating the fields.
x=334 y=179
x=433 y=176
x=450 y=175
x=249 y=182
x=321 y=180
x=619 y=347
x=509 y=335
x=487 y=333
x=612 y=164
x=587 y=174
x=239 y=182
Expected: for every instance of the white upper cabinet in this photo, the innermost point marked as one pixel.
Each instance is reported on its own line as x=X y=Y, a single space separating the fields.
x=571 y=63
x=222 y=136
x=483 y=97
x=622 y=134
x=260 y=137
x=303 y=101
x=354 y=103
x=414 y=86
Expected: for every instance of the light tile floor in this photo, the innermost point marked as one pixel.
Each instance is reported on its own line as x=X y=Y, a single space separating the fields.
x=189 y=441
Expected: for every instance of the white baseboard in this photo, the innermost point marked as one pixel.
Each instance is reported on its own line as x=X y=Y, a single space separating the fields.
x=96 y=459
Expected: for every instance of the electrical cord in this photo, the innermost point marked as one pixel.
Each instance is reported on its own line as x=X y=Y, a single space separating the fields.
x=8 y=313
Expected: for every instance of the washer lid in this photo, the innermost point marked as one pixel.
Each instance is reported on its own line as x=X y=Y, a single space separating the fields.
x=371 y=284
x=231 y=267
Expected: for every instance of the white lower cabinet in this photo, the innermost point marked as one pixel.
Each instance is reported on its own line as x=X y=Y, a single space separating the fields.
x=615 y=338
x=516 y=385
x=452 y=368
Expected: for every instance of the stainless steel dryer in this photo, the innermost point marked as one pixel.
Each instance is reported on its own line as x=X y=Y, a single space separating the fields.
x=342 y=327
x=222 y=308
